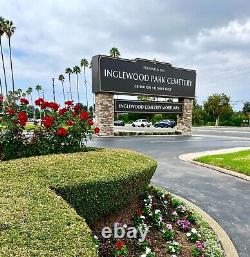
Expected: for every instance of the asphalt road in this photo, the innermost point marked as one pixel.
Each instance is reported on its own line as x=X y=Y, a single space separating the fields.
x=225 y=198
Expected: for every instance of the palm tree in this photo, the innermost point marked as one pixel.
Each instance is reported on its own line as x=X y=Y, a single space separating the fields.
x=29 y=94
x=2 y=31
x=1 y=88
x=69 y=72
x=114 y=52
x=61 y=78
x=9 y=31
x=77 y=70
x=38 y=89
x=84 y=63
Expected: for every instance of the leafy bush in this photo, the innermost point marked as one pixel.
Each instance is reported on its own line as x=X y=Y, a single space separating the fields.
x=35 y=221
x=60 y=131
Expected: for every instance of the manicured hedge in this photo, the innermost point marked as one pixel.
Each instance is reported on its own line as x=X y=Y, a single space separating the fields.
x=35 y=219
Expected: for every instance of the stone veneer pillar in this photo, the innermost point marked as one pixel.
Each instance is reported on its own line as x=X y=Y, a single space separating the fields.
x=184 y=120
x=104 y=113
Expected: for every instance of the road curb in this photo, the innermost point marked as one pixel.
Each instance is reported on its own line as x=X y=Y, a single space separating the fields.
x=226 y=243
x=189 y=157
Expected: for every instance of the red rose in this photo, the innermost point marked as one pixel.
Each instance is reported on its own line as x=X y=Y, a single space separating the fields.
x=53 y=106
x=62 y=111
x=22 y=123
x=119 y=244
x=24 y=101
x=44 y=105
x=77 y=107
x=70 y=123
x=62 y=132
x=84 y=115
x=11 y=111
x=69 y=102
x=90 y=122
x=97 y=130
x=1 y=99
x=22 y=116
x=47 y=121
x=39 y=101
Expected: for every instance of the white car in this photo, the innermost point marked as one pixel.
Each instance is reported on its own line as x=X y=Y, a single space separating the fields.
x=141 y=123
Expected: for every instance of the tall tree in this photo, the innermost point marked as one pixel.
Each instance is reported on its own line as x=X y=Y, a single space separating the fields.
x=39 y=89
x=2 y=31
x=9 y=31
x=61 y=78
x=1 y=87
x=217 y=105
x=77 y=70
x=246 y=111
x=69 y=72
x=84 y=63
x=114 y=52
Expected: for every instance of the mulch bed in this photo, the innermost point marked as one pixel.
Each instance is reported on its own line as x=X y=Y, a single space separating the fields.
x=157 y=243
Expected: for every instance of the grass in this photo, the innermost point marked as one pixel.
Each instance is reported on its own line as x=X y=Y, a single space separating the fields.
x=47 y=202
x=238 y=161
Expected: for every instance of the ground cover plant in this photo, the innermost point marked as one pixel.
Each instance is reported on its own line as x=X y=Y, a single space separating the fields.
x=173 y=230
x=47 y=201
x=238 y=161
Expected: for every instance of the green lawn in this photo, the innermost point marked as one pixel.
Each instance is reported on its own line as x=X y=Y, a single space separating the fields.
x=239 y=161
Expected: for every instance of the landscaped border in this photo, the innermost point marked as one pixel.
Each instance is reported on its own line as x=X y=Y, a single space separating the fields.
x=146 y=133
x=190 y=157
x=226 y=243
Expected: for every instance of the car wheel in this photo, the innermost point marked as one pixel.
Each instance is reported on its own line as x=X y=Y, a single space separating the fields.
x=142 y=125
x=133 y=125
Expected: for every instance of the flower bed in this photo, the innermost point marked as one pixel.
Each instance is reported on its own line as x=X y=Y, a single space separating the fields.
x=35 y=221
x=173 y=230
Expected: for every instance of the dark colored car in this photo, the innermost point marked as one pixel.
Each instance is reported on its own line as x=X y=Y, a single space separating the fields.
x=165 y=124
x=119 y=123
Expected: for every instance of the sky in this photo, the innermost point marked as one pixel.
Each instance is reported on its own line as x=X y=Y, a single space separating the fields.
x=210 y=36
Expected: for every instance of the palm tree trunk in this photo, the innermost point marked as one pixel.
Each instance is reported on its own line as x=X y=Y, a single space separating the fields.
x=70 y=88
x=86 y=89
x=53 y=85
x=63 y=93
x=1 y=88
x=4 y=72
x=217 y=121
x=77 y=86
x=11 y=67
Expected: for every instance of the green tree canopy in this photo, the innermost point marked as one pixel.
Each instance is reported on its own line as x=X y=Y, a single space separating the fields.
x=217 y=105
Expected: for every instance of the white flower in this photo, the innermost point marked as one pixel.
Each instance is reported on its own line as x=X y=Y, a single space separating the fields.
x=142 y=217
x=95 y=237
x=193 y=230
x=148 y=250
x=188 y=234
x=125 y=225
x=143 y=255
x=157 y=211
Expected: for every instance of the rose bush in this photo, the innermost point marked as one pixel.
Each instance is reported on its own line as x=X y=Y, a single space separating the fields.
x=60 y=130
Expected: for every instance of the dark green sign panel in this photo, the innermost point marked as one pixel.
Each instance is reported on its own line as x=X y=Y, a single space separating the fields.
x=141 y=77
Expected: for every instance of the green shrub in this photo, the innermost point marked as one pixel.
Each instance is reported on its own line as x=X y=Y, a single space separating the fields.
x=35 y=221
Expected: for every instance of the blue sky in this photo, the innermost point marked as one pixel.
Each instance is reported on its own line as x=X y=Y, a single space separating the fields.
x=212 y=37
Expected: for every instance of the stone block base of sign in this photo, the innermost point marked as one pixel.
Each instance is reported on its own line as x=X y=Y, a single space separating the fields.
x=184 y=120
x=104 y=113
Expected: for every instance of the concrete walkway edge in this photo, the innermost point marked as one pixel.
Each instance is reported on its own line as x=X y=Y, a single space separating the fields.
x=191 y=156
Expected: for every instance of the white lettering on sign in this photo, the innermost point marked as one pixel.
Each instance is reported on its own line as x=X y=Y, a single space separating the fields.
x=108 y=73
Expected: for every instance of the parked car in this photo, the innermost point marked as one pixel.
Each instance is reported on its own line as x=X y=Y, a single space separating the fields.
x=119 y=123
x=165 y=124
x=141 y=123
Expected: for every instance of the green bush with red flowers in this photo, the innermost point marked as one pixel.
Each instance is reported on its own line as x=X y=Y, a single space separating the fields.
x=61 y=130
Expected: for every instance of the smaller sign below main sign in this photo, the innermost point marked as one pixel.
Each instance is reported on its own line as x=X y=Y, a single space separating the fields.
x=147 y=106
